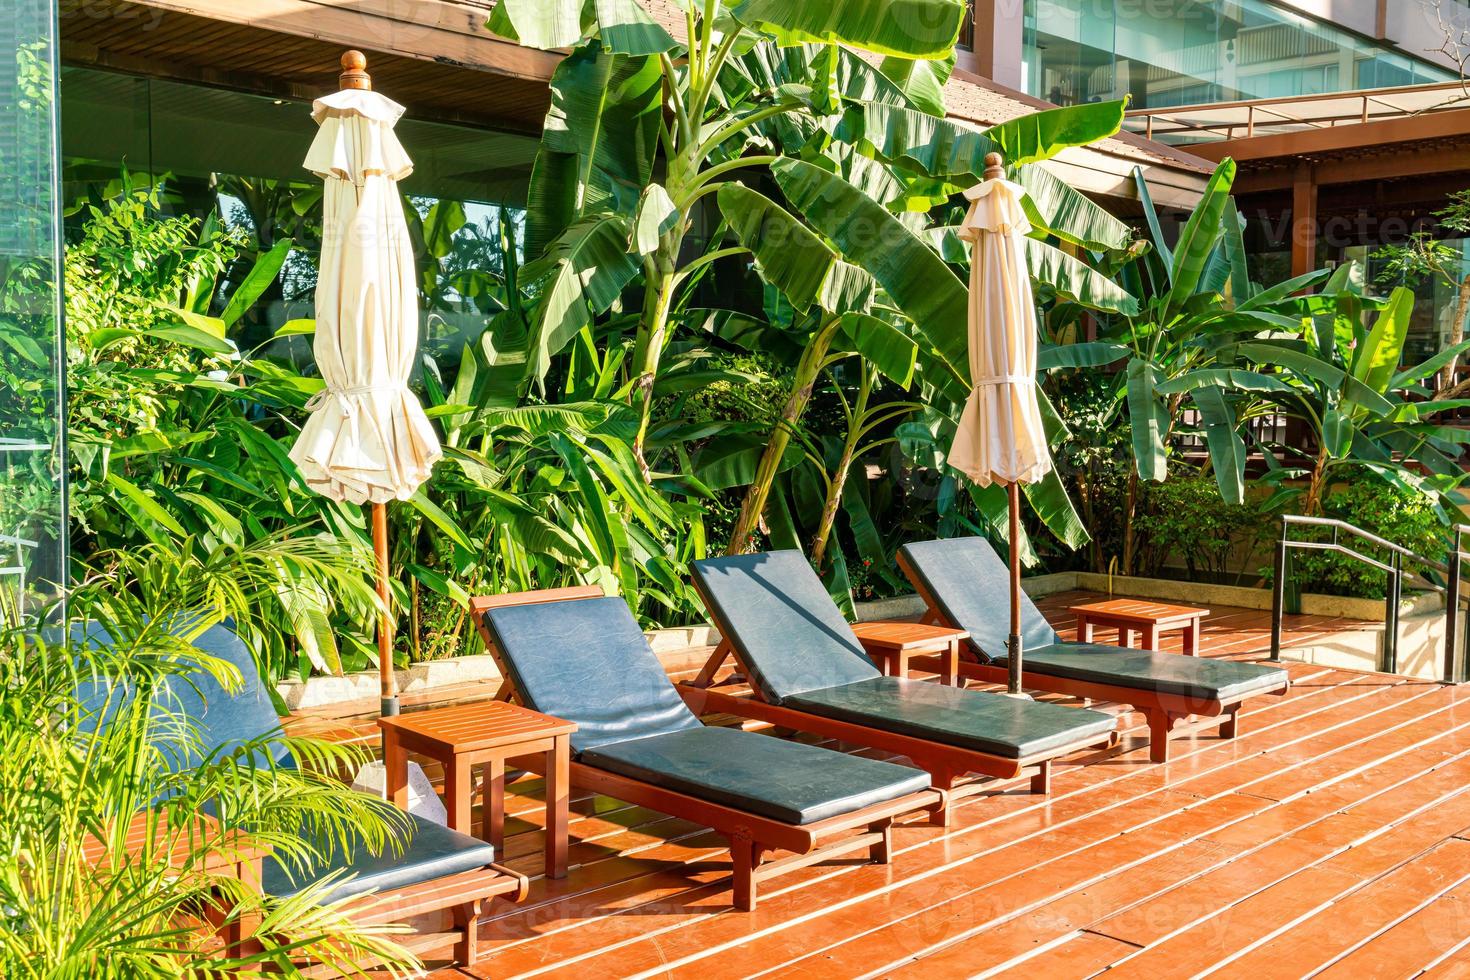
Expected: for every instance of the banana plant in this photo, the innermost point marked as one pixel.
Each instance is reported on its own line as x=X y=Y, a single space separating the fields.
x=645 y=130
x=1341 y=377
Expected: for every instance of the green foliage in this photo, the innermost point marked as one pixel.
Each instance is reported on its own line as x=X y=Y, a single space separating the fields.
x=1186 y=524
x=1399 y=514
x=89 y=738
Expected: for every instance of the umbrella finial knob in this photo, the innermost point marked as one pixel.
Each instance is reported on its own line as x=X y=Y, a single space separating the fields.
x=995 y=166
x=354 y=72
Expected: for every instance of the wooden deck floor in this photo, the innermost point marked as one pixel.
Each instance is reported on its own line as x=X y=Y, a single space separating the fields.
x=1332 y=836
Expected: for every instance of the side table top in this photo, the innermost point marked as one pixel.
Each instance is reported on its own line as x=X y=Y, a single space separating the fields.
x=897 y=635
x=1139 y=610
x=478 y=725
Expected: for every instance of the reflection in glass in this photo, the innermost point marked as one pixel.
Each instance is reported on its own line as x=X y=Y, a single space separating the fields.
x=1186 y=52
x=32 y=492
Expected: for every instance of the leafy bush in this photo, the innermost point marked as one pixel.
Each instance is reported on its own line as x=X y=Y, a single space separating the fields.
x=1401 y=515
x=77 y=768
x=1187 y=521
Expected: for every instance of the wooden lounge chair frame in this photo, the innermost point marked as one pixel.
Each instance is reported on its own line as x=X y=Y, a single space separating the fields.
x=750 y=835
x=949 y=767
x=1163 y=711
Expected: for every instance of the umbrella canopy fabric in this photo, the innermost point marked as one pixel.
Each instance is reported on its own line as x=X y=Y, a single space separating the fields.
x=1000 y=438
x=367 y=440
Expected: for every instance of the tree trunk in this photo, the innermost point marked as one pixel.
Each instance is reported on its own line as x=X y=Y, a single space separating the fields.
x=652 y=335
x=839 y=475
x=1312 y=507
x=1451 y=388
x=756 y=495
x=1128 y=508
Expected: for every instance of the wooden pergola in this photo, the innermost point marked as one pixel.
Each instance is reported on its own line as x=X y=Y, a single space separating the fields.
x=438 y=59
x=1396 y=151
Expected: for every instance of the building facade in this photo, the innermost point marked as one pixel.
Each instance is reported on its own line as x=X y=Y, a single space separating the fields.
x=1186 y=52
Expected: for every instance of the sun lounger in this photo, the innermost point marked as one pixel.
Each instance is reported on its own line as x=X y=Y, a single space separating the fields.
x=808 y=672
x=587 y=661
x=430 y=869
x=964 y=583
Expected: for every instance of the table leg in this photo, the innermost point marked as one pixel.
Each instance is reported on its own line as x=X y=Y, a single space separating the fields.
x=395 y=769
x=1084 y=629
x=1151 y=637
x=1191 y=638
x=901 y=666
x=1125 y=636
x=558 y=795
x=494 y=805
x=951 y=675
x=457 y=795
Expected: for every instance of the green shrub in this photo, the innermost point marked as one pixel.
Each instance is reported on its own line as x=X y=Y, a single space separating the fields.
x=1405 y=517
x=1187 y=521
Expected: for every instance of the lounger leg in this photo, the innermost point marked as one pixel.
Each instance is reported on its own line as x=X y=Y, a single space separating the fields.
x=467 y=922
x=939 y=812
x=746 y=856
x=1160 y=724
x=881 y=851
x=1041 y=782
x=1231 y=726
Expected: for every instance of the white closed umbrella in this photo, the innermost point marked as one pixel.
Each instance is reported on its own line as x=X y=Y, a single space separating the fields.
x=1000 y=438
x=367 y=440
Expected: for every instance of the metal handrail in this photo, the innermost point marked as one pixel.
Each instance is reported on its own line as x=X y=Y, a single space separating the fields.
x=1450 y=568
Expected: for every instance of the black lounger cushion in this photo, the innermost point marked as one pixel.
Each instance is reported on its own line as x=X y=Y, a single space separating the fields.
x=972 y=587
x=1196 y=678
x=786 y=781
x=431 y=852
x=969 y=583
x=417 y=851
x=1012 y=728
x=789 y=632
x=586 y=661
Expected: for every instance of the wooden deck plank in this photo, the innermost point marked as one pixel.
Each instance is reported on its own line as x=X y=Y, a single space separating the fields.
x=1339 y=802
x=1092 y=826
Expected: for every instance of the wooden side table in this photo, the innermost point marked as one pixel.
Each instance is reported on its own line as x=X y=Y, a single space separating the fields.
x=1129 y=616
x=891 y=643
x=485 y=733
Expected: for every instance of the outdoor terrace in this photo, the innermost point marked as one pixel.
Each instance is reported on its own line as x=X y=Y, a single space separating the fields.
x=1331 y=834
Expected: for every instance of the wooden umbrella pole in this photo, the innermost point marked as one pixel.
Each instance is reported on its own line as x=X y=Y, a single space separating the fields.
x=1013 y=661
x=385 y=619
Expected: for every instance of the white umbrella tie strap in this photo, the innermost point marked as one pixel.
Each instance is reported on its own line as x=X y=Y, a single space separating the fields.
x=321 y=397
x=1005 y=379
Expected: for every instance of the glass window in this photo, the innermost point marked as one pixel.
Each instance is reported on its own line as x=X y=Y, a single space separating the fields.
x=1183 y=52
x=238 y=156
x=33 y=530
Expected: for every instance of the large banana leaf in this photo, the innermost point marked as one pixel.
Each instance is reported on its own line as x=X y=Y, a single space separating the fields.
x=791 y=256
x=1151 y=215
x=1055 y=207
x=597 y=143
x=921 y=80
x=1149 y=419
x=907 y=28
x=1076 y=280
x=891 y=350
x=915 y=278
x=1222 y=436
x=623 y=25
x=1378 y=358
x=587 y=268
x=1042 y=135
x=766 y=67
x=1200 y=236
x=944 y=148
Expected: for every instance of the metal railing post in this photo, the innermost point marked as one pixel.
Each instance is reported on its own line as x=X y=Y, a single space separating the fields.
x=1278 y=593
x=1452 y=608
x=1391 y=614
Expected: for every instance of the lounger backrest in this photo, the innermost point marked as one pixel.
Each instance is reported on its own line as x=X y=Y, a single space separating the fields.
x=782 y=622
x=586 y=661
x=971 y=586
x=219 y=718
